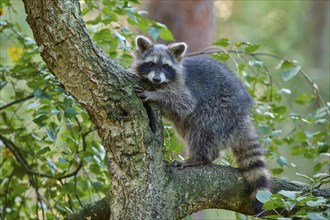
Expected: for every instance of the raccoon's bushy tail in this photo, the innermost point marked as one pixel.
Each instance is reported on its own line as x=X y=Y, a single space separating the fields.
x=250 y=161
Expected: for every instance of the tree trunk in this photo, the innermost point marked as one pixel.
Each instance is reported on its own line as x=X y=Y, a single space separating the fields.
x=143 y=186
x=191 y=21
x=316 y=25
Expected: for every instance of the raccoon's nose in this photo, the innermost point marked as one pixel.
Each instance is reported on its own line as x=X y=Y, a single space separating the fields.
x=156 y=79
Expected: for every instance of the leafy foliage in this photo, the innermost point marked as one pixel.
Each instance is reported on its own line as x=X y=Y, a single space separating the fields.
x=52 y=161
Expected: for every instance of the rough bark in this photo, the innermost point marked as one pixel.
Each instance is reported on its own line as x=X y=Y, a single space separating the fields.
x=143 y=186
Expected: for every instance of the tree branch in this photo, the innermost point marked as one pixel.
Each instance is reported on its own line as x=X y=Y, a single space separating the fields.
x=222 y=187
x=206 y=187
x=99 y=210
x=16 y=101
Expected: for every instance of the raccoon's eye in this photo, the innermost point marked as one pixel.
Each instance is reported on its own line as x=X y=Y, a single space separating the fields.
x=166 y=66
x=151 y=63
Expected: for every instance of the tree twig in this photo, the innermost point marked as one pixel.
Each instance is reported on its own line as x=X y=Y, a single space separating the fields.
x=20 y=158
x=16 y=101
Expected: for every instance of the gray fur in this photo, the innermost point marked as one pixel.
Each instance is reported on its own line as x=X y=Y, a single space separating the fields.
x=208 y=107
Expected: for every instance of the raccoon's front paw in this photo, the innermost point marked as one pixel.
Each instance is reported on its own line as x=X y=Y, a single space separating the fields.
x=140 y=92
x=144 y=95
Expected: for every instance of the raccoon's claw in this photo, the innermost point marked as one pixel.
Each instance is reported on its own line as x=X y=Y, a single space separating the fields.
x=140 y=92
x=138 y=89
x=146 y=96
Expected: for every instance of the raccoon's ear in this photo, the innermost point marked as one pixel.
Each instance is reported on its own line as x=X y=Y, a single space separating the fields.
x=143 y=43
x=178 y=50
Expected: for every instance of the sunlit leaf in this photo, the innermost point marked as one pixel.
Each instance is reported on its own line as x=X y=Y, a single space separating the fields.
x=251 y=48
x=223 y=42
x=277 y=171
x=166 y=34
x=221 y=56
x=303 y=99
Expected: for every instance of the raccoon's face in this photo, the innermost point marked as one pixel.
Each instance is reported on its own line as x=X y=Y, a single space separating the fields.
x=158 y=63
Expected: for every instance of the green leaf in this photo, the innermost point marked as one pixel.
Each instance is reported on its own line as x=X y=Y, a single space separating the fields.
x=154 y=32
x=51 y=134
x=85 y=11
x=41 y=94
x=300 y=136
x=277 y=171
x=285 y=64
x=317 y=167
x=70 y=112
x=282 y=161
x=62 y=160
x=132 y=18
x=320 y=201
x=42 y=151
x=297 y=150
x=274 y=202
x=95 y=21
x=289 y=194
x=97 y=185
x=280 y=110
x=303 y=99
x=263 y=195
x=316 y=216
x=83 y=185
x=52 y=165
x=264 y=129
x=290 y=73
x=166 y=34
x=103 y=35
x=251 y=48
x=40 y=120
x=68 y=188
x=223 y=42
x=95 y=169
x=221 y=56
x=2 y=84
x=19 y=172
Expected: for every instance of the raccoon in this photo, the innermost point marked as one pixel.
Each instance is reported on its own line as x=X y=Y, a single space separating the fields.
x=207 y=105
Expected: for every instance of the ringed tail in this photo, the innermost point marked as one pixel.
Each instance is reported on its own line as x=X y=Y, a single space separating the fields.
x=250 y=161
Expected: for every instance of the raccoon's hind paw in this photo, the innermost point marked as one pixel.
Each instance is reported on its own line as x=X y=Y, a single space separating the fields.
x=189 y=163
x=179 y=164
